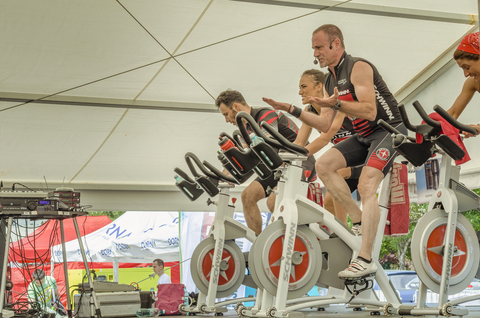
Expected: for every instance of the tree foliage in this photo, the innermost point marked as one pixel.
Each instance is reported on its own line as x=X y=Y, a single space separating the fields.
x=113 y=215
x=395 y=252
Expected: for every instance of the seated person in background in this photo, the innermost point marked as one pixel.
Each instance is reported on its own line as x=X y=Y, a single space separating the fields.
x=43 y=290
x=231 y=102
x=311 y=84
x=158 y=267
x=467 y=56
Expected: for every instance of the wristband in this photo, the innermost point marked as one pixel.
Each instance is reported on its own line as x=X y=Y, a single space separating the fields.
x=296 y=112
x=337 y=106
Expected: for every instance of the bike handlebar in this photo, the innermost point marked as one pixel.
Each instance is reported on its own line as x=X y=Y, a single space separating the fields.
x=237 y=136
x=207 y=169
x=392 y=130
x=286 y=144
x=256 y=129
x=452 y=121
x=406 y=122
x=424 y=115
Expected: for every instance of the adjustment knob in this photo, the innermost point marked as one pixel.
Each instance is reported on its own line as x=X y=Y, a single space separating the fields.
x=32 y=205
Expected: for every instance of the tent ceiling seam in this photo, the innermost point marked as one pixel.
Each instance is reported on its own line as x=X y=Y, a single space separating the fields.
x=174 y=57
x=83 y=85
x=170 y=54
x=175 y=51
x=100 y=147
x=373 y=9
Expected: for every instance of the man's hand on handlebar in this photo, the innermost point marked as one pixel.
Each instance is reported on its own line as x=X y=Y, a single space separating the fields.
x=476 y=127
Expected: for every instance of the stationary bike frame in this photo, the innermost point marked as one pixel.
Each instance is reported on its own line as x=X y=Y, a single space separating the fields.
x=449 y=199
x=224 y=229
x=294 y=210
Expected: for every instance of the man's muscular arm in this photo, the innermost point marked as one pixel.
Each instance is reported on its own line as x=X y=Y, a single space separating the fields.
x=365 y=107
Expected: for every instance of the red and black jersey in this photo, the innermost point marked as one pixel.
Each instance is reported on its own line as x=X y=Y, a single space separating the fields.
x=345 y=131
x=284 y=125
x=387 y=107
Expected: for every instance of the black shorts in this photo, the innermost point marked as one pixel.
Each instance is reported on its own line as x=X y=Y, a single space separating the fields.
x=352 y=181
x=307 y=165
x=375 y=150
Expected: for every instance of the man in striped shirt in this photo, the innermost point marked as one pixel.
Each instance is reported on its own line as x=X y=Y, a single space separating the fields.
x=231 y=102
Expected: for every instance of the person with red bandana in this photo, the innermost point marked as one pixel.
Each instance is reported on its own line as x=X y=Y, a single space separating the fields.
x=354 y=87
x=467 y=56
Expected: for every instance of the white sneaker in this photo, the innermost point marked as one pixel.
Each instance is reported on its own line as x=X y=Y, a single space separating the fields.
x=357 y=229
x=357 y=269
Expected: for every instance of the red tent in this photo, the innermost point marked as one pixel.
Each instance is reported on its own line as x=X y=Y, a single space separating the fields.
x=36 y=247
x=22 y=276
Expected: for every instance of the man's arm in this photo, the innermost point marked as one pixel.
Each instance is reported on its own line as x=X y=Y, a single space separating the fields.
x=469 y=88
x=57 y=294
x=365 y=107
x=325 y=138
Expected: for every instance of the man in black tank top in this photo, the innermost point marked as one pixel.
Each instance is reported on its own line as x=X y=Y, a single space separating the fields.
x=355 y=87
x=230 y=102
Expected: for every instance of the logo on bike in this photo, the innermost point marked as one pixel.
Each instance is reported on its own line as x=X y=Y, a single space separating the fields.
x=383 y=153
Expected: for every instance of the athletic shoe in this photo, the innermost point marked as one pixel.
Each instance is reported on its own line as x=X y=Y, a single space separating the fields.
x=358 y=268
x=357 y=229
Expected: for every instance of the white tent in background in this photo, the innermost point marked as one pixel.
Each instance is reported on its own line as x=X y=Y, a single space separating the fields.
x=135 y=237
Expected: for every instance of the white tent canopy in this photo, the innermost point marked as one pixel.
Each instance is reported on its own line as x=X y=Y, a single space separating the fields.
x=135 y=237
x=107 y=96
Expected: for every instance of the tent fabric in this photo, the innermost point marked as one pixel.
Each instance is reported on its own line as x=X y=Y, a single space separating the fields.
x=130 y=85
x=135 y=237
x=35 y=248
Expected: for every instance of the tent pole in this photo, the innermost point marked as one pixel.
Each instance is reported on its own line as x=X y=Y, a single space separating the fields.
x=4 y=264
x=85 y=263
x=65 y=270
x=116 y=275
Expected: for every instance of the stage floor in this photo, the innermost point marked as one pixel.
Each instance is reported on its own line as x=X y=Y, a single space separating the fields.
x=338 y=311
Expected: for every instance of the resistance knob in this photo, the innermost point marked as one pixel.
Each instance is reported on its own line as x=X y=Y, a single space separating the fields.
x=32 y=205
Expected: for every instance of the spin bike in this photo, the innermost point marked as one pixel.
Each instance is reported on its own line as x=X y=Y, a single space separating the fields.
x=218 y=264
x=293 y=253
x=445 y=247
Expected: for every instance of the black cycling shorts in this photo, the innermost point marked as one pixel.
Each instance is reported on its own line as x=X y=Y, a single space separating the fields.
x=375 y=150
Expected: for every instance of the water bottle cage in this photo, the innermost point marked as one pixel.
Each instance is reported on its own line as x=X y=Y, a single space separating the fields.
x=243 y=162
x=240 y=178
x=207 y=185
x=267 y=155
x=188 y=186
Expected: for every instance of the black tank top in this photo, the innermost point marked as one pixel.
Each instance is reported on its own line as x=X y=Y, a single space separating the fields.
x=284 y=125
x=387 y=108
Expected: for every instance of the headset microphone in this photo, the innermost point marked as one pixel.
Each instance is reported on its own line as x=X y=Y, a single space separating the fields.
x=331 y=45
x=315 y=61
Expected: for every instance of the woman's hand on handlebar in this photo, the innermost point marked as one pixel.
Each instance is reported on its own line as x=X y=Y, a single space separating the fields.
x=277 y=105
x=468 y=135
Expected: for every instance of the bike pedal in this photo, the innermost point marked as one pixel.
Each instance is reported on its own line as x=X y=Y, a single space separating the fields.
x=358 y=280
